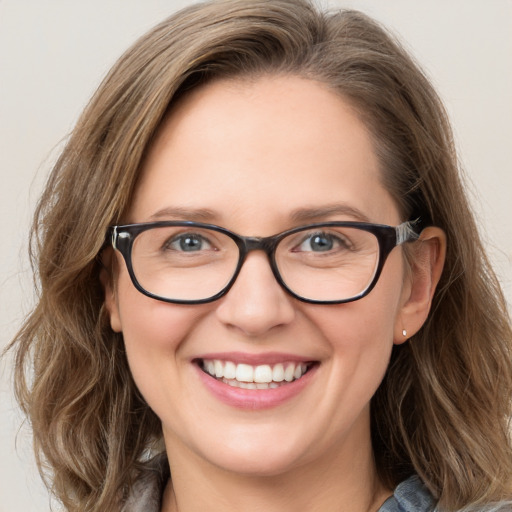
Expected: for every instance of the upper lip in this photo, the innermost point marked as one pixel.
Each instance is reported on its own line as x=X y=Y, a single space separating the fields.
x=255 y=359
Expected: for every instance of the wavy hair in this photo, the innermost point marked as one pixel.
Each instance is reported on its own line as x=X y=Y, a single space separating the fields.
x=444 y=406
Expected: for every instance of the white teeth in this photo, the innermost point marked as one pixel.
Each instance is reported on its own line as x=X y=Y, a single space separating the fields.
x=254 y=377
x=290 y=371
x=251 y=385
x=229 y=370
x=210 y=367
x=244 y=373
x=263 y=373
x=278 y=373
x=219 y=369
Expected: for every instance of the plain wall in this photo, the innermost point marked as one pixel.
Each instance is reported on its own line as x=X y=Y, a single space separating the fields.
x=53 y=53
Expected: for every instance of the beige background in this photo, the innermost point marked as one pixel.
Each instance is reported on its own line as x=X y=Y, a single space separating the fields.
x=54 y=52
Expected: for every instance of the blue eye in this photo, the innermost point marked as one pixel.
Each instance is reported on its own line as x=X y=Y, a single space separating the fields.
x=188 y=242
x=321 y=242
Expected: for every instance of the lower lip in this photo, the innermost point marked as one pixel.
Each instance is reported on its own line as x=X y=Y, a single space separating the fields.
x=255 y=399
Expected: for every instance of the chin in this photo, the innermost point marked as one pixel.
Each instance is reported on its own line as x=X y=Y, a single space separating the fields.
x=252 y=453
x=263 y=463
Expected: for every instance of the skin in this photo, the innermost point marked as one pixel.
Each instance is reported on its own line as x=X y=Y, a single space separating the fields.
x=252 y=154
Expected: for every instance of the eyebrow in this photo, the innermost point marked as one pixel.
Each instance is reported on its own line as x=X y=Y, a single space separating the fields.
x=180 y=213
x=300 y=215
x=315 y=214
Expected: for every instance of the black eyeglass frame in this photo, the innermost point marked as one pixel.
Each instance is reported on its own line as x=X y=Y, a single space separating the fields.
x=122 y=237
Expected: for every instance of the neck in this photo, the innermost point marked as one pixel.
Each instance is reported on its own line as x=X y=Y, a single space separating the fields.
x=338 y=482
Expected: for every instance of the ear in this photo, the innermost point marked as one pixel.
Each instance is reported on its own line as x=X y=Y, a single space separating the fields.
x=108 y=282
x=426 y=265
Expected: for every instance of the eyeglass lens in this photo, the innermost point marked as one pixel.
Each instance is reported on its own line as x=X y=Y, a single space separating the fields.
x=321 y=263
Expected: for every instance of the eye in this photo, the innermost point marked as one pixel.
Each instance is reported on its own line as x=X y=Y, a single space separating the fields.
x=188 y=242
x=321 y=242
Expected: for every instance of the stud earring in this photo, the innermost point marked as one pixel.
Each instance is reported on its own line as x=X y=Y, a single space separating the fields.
x=404 y=332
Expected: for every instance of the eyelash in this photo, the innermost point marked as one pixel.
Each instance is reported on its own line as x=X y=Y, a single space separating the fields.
x=177 y=239
x=336 y=239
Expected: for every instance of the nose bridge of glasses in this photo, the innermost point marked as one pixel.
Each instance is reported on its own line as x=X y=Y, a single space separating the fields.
x=267 y=245
x=256 y=243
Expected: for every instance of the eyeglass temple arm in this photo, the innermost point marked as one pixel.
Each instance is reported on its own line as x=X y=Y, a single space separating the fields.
x=408 y=231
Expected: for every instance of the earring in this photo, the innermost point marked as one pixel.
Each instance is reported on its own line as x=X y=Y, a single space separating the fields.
x=404 y=332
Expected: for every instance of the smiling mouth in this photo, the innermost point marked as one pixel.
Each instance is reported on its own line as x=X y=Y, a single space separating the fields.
x=247 y=376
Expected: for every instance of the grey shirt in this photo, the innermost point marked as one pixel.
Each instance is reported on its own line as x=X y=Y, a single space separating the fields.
x=410 y=496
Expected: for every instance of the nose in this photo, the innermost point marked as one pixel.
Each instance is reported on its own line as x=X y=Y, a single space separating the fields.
x=256 y=303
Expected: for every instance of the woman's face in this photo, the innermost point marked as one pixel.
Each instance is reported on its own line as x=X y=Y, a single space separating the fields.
x=260 y=157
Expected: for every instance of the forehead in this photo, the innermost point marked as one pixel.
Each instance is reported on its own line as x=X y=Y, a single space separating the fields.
x=261 y=149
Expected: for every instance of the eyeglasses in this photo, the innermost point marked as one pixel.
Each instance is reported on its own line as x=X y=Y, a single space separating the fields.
x=195 y=263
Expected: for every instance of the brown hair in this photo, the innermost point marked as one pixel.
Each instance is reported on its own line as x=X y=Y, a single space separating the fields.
x=444 y=406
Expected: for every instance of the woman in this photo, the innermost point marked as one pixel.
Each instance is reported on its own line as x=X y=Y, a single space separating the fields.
x=260 y=275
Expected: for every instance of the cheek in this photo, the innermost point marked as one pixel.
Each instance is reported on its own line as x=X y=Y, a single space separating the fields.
x=360 y=336
x=153 y=333
x=145 y=322
x=364 y=324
